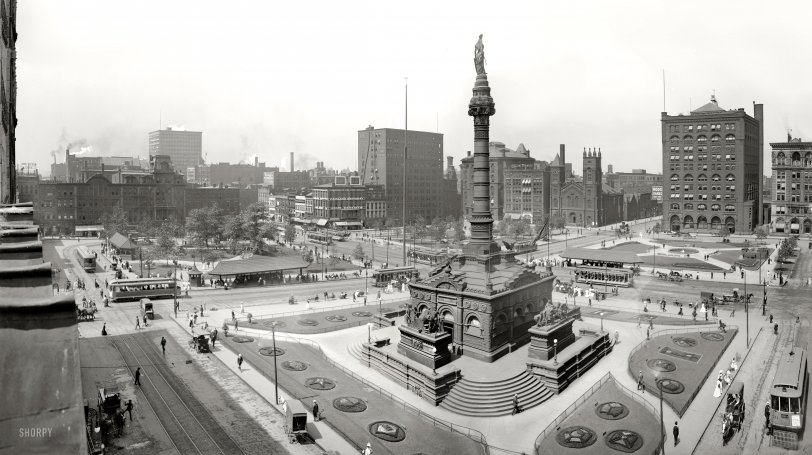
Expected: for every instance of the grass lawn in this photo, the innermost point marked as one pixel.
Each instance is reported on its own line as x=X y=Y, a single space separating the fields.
x=638 y=419
x=696 y=243
x=326 y=321
x=299 y=362
x=631 y=247
x=734 y=257
x=686 y=264
x=684 y=359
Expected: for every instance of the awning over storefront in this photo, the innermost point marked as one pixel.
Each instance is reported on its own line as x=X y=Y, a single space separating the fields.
x=90 y=228
x=348 y=223
x=321 y=222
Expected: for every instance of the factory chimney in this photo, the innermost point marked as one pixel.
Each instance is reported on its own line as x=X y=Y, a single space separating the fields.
x=291 y=161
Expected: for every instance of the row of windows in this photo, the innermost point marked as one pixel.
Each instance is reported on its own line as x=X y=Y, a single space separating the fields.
x=796 y=210
x=795 y=175
x=793 y=197
x=702 y=207
x=702 y=139
x=702 y=178
x=701 y=127
x=702 y=167
x=703 y=157
x=701 y=187
x=795 y=160
x=703 y=197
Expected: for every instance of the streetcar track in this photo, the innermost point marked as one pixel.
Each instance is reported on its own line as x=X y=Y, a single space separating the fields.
x=160 y=396
x=186 y=402
x=149 y=405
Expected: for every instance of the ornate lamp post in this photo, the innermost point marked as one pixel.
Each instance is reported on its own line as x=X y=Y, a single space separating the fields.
x=369 y=342
x=662 y=422
x=555 y=351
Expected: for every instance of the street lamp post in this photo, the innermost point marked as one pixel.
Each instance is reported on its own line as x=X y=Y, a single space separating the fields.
x=366 y=283
x=662 y=422
x=555 y=351
x=275 y=377
x=601 y=321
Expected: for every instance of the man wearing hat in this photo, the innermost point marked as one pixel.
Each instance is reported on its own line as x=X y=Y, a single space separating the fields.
x=367 y=450
x=315 y=411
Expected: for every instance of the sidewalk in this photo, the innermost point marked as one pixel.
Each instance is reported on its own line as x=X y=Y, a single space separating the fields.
x=324 y=435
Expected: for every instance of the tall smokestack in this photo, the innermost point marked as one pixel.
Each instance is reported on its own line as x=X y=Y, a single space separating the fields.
x=291 y=161
x=561 y=153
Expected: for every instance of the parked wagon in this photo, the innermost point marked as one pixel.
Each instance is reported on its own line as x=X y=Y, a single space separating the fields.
x=200 y=343
x=295 y=421
x=733 y=417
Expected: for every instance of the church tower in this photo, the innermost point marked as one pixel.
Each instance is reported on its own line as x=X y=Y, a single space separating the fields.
x=593 y=191
x=558 y=176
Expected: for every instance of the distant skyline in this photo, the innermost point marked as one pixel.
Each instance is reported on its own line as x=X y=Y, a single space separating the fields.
x=268 y=78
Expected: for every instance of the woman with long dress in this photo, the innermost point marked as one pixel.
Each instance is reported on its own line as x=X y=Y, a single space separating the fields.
x=718 y=391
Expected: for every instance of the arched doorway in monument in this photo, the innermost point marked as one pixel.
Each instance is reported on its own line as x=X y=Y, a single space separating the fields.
x=448 y=323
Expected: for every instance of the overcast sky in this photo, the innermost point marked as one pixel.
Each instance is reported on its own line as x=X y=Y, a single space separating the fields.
x=268 y=78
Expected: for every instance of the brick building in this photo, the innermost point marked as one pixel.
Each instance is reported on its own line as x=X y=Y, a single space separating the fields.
x=712 y=168
x=8 y=101
x=791 y=186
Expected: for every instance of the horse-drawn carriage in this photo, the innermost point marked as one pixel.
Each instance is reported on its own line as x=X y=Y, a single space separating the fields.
x=295 y=421
x=733 y=416
x=200 y=343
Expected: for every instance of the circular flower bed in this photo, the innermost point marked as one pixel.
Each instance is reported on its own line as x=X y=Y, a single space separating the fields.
x=626 y=441
x=362 y=314
x=576 y=437
x=336 y=318
x=612 y=410
x=671 y=386
x=387 y=431
x=685 y=342
x=350 y=404
x=319 y=383
x=274 y=323
x=661 y=365
x=271 y=352
x=712 y=336
x=308 y=322
x=241 y=339
x=294 y=365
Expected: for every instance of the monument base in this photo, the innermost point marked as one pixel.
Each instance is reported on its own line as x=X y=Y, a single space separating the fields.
x=547 y=341
x=428 y=349
x=570 y=363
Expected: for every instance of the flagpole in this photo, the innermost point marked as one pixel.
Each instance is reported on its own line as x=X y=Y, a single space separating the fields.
x=405 y=151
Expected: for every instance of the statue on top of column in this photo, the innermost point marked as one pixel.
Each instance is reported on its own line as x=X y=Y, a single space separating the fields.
x=479 y=56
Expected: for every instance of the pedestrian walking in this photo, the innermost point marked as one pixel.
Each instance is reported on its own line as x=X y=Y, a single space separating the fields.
x=137 y=323
x=771 y=318
x=516 y=408
x=104 y=329
x=648 y=333
x=640 y=380
x=651 y=324
x=315 y=411
x=129 y=409
x=163 y=345
x=676 y=434
x=367 y=450
x=767 y=415
x=236 y=323
x=138 y=376
x=239 y=362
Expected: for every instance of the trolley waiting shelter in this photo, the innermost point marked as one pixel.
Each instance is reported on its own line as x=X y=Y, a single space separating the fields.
x=605 y=267
x=270 y=269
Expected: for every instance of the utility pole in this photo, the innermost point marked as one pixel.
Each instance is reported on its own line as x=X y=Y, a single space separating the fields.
x=405 y=152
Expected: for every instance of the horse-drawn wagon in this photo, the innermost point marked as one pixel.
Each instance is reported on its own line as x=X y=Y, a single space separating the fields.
x=295 y=421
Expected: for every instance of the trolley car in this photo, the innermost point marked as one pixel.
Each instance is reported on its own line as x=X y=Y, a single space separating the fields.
x=320 y=238
x=139 y=288
x=384 y=277
x=788 y=396
x=86 y=259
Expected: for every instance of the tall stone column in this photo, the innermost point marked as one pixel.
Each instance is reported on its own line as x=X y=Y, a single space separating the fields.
x=481 y=108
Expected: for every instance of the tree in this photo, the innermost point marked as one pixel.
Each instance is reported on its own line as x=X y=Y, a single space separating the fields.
x=358 y=252
x=165 y=245
x=657 y=228
x=459 y=229
x=437 y=229
x=233 y=232
x=558 y=222
x=761 y=232
x=115 y=221
x=520 y=228
x=204 y=223
x=724 y=232
x=255 y=226
x=290 y=233
x=308 y=256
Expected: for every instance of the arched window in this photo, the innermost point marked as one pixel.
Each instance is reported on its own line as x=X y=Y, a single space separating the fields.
x=730 y=138
x=730 y=178
x=473 y=327
x=808 y=159
x=715 y=138
x=674 y=177
x=674 y=206
x=688 y=178
x=688 y=222
x=716 y=177
x=674 y=139
x=730 y=208
x=702 y=222
x=780 y=159
x=518 y=312
x=702 y=138
x=701 y=207
x=688 y=139
x=689 y=206
x=702 y=178
x=716 y=222
x=796 y=159
x=715 y=207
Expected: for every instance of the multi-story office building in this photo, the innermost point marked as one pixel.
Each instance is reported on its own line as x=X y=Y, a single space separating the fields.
x=282 y=180
x=343 y=200
x=712 y=167
x=184 y=148
x=381 y=162
x=636 y=181
x=8 y=101
x=27 y=180
x=521 y=167
x=791 y=190
x=452 y=202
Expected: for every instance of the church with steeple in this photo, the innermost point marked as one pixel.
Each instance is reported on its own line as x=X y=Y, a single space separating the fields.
x=584 y=203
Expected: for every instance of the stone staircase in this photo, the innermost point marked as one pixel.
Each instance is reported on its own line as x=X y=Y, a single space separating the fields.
x=485 y=398
x=495 y=398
